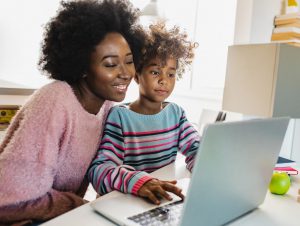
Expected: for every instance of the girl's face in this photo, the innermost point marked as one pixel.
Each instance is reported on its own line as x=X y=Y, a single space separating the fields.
x=156 y=82
x=111 y=68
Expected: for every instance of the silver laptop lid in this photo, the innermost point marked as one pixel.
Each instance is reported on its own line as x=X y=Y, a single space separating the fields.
x=232 y=170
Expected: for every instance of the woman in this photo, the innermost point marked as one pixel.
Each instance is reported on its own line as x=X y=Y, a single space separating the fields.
x=88 y=49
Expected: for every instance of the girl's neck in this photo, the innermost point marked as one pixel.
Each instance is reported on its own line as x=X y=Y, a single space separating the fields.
x=89 y=101
x=146 y=107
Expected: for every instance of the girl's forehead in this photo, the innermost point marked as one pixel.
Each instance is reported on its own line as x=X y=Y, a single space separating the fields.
x=161 y=62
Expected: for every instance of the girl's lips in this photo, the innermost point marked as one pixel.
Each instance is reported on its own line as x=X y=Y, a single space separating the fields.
x=161 y=91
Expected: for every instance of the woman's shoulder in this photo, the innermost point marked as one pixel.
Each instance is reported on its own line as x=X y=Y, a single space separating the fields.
x=51 y=95
x=55 y=88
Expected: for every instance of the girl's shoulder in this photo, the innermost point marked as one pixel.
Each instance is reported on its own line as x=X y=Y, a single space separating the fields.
x=173 y=107
x=119 y=109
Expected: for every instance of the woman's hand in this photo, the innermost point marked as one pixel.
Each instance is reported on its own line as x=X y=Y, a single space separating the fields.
x=156 y=189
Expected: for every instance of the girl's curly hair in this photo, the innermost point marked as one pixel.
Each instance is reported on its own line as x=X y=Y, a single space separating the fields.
x=163 y=43
x=79 y=26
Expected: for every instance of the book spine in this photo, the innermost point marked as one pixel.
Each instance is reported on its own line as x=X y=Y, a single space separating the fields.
x=287 y=171
x=6 y=115
x=284 y=36
x=297 y=25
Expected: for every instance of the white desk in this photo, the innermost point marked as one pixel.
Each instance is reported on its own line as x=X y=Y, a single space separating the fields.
x=275 y=211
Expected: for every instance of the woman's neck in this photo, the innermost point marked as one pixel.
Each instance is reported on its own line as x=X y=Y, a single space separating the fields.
x=146 y=107
x=89 y=101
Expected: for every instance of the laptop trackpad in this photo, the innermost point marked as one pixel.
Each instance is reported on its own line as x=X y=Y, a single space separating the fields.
x=127 y=205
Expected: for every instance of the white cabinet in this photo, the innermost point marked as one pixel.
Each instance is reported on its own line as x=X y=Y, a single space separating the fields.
x=263 y=80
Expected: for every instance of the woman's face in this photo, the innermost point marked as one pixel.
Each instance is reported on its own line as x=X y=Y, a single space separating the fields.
x=156 y=82
x=111 y=68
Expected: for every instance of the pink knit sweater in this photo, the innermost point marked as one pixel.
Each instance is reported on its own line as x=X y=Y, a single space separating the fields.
x=46 y=153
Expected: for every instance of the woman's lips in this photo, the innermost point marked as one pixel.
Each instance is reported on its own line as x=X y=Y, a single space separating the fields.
x=120 y=88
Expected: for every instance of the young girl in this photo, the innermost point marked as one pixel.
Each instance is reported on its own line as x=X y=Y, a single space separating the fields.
x=146 y=134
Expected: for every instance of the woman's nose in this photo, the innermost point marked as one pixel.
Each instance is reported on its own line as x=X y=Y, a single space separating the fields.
x=126 y=73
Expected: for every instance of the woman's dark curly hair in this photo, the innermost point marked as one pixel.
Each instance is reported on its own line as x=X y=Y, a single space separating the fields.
x=162 y=43
x=72 y=35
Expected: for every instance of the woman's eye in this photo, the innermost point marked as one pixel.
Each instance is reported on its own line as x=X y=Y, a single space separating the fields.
x=110 y=65
x=130 y=62
x=172 y=75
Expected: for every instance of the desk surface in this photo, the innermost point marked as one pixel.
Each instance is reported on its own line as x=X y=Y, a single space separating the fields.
x=275 y=211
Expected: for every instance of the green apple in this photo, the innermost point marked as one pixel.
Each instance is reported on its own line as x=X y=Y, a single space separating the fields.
x=280 y=183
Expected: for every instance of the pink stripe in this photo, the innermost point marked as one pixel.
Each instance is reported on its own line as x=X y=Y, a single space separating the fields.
x=140 y=183
x=119 y=180
x=142 y=153
x=115 y=144
x=111 y=149
x=150 y=132
x=186 y=126
x=189 y=158
x=187 y=134
x=101 y=176
x=187 y=148
x=108 y=157
x=187 y=142
x=152 y=146
x=137 y=140
x=126 y=180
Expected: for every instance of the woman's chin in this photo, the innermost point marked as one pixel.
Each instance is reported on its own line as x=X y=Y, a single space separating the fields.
x=118 y=98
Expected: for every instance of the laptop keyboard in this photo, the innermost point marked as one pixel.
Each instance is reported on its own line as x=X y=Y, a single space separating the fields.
x=164 y=215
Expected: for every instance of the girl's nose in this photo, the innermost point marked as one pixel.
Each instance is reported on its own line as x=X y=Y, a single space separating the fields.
x=162 y=80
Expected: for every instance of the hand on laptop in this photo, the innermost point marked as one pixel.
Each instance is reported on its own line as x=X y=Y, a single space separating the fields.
x=156 y=189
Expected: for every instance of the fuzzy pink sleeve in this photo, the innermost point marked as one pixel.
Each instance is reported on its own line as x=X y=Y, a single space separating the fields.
x=28 y=163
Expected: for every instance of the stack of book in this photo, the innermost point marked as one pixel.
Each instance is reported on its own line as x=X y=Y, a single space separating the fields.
x=287 y=29
x=286 y=165
x=7 y=112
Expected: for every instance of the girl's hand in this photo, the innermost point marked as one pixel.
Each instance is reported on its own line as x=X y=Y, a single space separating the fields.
x=156 y=189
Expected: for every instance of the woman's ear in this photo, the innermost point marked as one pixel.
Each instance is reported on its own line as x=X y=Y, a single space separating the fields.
x=136 y=78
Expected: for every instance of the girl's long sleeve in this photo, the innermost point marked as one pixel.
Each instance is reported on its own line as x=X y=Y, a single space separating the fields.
x=108 y=171
x=189 y=141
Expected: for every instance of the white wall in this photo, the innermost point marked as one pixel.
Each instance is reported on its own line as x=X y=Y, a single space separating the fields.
x=254 y=20
x=20 y=37
x=212 y=26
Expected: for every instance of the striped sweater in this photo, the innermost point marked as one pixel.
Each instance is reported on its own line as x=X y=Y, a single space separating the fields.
x=135 y=145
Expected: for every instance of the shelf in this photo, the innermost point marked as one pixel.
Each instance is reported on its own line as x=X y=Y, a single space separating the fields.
x=10 y=88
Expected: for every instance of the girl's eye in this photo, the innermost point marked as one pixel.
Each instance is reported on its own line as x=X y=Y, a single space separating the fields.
x=154 y=73
x=130 y=62
x=172 y=75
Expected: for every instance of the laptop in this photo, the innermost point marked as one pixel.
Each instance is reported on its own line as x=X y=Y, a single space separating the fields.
x=230 y=178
